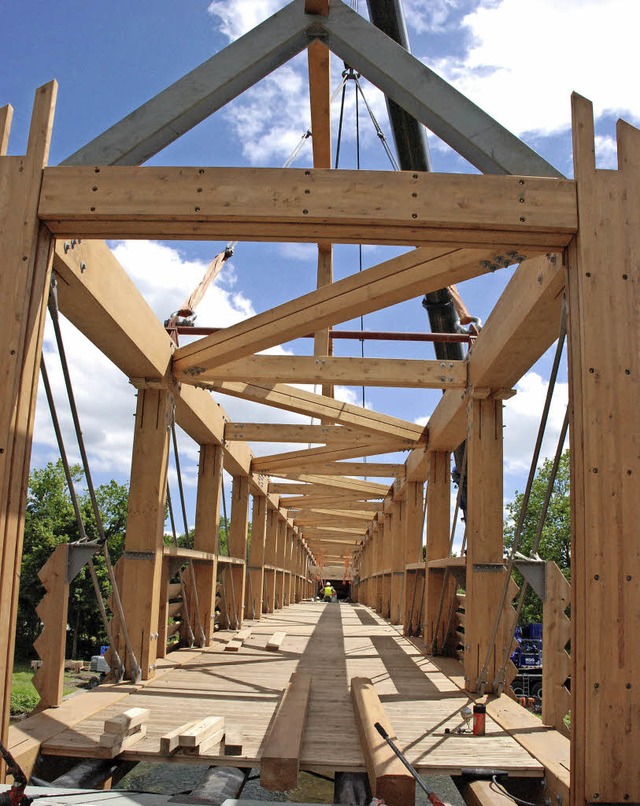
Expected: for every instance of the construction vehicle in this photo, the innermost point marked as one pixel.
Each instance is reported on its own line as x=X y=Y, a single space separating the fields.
x=527 y=657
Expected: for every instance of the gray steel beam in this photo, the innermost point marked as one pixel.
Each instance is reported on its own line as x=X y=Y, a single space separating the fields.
x=430 y=99
x=409 y=135
x=180 y=107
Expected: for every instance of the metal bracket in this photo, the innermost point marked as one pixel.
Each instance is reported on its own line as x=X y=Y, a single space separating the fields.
x=78 y=556
x=139 y=555
x=534 y=570
x=492 y=568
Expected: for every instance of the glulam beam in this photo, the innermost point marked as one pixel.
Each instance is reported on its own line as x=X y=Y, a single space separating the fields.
x=326 y=369
x=309 y=205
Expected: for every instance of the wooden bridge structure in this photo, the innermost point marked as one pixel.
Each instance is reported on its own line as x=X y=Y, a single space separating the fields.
x=574 y=240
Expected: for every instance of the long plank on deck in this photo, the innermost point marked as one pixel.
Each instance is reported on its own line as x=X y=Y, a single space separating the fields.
x=280 y=762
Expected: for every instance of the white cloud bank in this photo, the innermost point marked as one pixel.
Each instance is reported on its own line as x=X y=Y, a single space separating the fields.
x=527 y=57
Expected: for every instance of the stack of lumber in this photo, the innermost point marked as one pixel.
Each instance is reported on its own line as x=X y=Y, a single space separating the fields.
x=123 y=731
x=194 y=738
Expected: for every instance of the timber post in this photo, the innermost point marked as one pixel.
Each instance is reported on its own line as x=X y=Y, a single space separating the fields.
x=436 y=615
x=270 y=548
x=207 y=533
x=485 y=569
x=255 y=586
x=27 y=250
x=238 y=535
x=413 y=526
x=604 y=389
x=140 y=567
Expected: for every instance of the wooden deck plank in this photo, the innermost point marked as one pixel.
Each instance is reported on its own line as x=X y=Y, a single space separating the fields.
x=334 y=643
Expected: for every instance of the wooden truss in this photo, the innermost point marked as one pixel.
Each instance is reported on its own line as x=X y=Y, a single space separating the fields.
x=574 y=239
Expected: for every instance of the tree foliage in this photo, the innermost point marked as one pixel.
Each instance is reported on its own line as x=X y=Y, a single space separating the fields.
x=555 y=540
x=49 y=521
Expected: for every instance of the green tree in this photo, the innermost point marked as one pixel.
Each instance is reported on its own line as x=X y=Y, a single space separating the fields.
x=555 y=540
x=49 y=521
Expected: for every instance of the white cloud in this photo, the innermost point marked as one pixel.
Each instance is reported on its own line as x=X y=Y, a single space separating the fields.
x=527 y=58
x=522 y=419
x=237 y=17
x=105 y=399
x=429 y=16
x=165 y=278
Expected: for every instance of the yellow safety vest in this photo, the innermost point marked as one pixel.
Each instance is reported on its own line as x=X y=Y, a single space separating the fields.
x=328 y=591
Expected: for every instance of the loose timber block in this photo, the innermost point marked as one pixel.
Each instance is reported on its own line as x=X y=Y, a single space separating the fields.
x=233 y=742
x=388 y=778
x=206 y=745
x=274 y=643
x=126 y=742
x=280 y=761
x=124 y=722
x=169 y=742
x=200 y=731
x=114 y=739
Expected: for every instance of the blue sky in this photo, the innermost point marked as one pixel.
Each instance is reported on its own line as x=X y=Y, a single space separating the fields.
x=518 y=61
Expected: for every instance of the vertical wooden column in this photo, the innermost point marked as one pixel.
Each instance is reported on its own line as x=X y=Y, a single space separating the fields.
x=298 y=593
x=26 y=250
x=485 y=576
x=413 y=580
x=367 y=569
x=387 y=557
x=281 y=554
x=140 y=567
x=207 y=534
x=438 y=536
x=270 y=550
x=378 y=559
x=397 y=557
x=288 y=561
x=238 y=535
x=603 y=282
x=255 y=583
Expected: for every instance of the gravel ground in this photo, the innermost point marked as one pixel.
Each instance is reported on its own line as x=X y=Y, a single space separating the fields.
x=171 y=779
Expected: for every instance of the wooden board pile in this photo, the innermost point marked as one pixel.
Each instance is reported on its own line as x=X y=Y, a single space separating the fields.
x=123 y=731
x=194 y=738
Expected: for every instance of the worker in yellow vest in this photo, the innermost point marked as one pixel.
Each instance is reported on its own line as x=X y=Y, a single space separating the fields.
x=328 y=592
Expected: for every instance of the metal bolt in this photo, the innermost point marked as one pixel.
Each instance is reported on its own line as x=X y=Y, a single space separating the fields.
x=596 y=685
x=197 y=209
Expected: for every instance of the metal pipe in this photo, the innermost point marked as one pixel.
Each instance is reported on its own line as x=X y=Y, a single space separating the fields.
x=356 y=335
